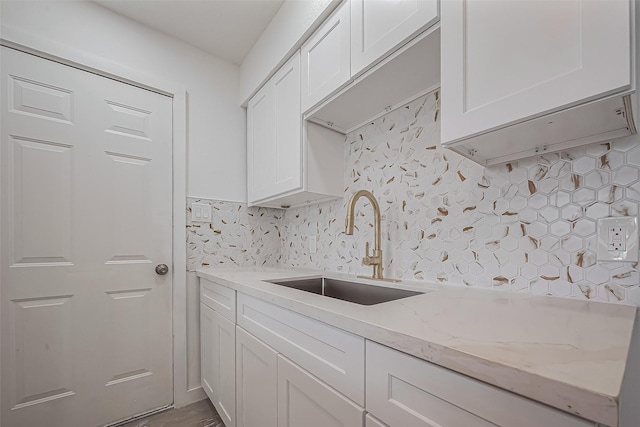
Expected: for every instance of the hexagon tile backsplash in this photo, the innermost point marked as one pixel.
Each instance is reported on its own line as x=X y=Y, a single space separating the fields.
x=526 y=226
x=239 y=236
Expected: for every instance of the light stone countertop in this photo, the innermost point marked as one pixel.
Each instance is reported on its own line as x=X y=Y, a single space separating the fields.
x=569 y=354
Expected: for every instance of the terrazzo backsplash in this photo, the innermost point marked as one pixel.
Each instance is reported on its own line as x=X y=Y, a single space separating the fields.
x=239 y=236
x=526 y=226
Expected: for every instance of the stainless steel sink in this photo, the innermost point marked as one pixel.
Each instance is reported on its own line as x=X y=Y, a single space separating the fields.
x=347 y=291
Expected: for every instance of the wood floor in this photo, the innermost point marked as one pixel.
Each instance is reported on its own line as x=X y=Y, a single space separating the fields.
x=199 y=414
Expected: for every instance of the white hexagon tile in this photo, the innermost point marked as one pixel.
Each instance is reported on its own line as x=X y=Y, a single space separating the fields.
x=526 y=226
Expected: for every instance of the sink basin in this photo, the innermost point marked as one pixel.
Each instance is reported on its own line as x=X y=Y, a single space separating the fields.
x=347 y=291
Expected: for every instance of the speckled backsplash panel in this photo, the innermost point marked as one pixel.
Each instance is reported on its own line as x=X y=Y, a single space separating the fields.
x=238 y=236
x=527 y=226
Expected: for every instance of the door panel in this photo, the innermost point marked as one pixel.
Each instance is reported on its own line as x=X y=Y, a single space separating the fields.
x=85 y=216
x=40 y=100
x=42 y=337
x=129 y=316
x=41 y=239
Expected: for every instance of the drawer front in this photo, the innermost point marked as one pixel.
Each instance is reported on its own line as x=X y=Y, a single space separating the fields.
x=220 y=298
x=333 y=355
x=405 y=391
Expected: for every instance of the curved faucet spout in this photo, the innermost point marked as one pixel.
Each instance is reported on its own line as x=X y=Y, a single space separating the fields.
x=375 y=259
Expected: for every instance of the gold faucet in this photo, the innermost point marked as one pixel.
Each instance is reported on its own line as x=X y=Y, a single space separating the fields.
x=375 y=259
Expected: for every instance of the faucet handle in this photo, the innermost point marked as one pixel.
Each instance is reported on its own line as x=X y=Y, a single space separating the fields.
x=367 y=258
x=372 y=259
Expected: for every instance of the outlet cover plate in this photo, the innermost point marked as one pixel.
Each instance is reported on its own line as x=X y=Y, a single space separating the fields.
x=630 y=227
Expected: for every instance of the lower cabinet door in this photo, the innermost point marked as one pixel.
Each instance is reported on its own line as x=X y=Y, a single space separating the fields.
x=305 y=401
x=256 y=382
x=218 y=362
x=207 y=379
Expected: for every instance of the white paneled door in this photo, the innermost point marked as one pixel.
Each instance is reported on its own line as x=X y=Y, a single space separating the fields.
x=86 y=200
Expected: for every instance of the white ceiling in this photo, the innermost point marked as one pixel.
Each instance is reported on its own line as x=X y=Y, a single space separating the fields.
x=225 y=28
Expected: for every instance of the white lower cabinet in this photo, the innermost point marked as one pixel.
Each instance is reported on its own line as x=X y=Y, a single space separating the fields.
x=217 y=341
x=256 y=382
x=404 y=391
x=305 y=401
x=280 y=368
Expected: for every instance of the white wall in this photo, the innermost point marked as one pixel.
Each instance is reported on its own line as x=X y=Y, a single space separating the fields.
x=293 y=23
x=216 y=123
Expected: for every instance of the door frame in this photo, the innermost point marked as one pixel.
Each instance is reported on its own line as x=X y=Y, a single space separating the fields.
x=88 y=61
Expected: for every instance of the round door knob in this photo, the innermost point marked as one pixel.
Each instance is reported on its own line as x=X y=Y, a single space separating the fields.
x=162 y=269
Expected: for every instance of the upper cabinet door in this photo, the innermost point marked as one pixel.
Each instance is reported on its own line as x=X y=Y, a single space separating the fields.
x=326 y=58
x=288 y=149
x=274 y=137
x=508 y=61
x=261 y=143
x=378 y=26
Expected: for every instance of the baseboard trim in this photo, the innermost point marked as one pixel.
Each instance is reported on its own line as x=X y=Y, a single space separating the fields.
x=195 y=395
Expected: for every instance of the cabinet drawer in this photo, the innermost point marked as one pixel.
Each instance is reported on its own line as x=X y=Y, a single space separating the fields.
x=303 y=400
x=333 y=355
x=405 y=391
x=220 y=298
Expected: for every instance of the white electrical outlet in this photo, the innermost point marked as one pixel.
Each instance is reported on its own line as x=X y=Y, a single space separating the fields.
x=313 y=244
x=618 y=239
x=200 y=212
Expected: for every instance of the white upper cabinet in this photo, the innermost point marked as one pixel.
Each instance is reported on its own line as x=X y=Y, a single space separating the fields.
x=379 y=26
x=274 y=135
x=395 y=57
x=326 y=58
x=288 y=165
x=507 y=62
